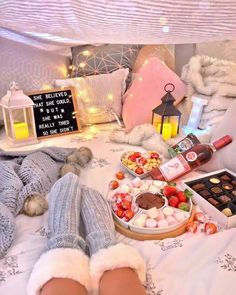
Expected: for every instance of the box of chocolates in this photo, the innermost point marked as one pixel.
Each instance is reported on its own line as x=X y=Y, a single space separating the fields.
x=215 y=193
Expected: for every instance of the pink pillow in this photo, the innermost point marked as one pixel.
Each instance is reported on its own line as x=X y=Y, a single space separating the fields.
x=146 y=92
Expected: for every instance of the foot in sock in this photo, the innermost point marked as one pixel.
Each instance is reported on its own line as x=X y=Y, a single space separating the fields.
x=65 y=257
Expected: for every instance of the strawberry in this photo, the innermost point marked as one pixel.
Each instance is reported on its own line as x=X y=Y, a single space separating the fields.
x=114 y=184
x=128 y=215
x=139 y=170
x=137 y=154
x=184 y=206
x=132 y=158
x=181 y=196
x=169 y=191
x=120 y=175
x=154 y=155
x=142 y=161
x=126 y=204
x=173 y=201
x=120 y=213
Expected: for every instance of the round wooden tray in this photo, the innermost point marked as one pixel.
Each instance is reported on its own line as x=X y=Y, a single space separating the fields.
x=141 y=236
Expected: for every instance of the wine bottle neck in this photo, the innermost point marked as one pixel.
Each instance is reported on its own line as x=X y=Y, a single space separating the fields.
x=223 y=141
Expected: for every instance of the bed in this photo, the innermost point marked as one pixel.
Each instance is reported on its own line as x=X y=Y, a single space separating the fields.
x=35 y=38
x=190 y=264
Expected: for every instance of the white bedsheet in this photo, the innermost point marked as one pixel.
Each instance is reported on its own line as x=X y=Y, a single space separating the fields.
x=188 y=265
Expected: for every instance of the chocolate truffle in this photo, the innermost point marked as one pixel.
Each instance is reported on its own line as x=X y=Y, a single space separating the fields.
x=216 y=190
x=225 y=177
x=213 y=201
x=227 y=212
x=233 y=182
x=148 y=200
x=205 y=193
x=227 y=186
x=233 y=193
x=198 y=186
x=224 y=199
x=214 y=180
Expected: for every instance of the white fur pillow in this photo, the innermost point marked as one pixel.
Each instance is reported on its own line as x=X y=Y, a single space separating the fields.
x=97 y=95
x=226 y=157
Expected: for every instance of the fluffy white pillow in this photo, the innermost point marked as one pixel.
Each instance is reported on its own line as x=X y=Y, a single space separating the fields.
x=97 y=95
x=225 y=157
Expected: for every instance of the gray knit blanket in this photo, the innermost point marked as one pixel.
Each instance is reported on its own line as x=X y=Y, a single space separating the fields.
x=21 y=174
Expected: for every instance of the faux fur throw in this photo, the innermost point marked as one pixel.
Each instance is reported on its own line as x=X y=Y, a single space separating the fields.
x=215 y=79
x=146 y=136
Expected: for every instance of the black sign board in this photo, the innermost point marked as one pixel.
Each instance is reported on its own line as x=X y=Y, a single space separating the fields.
x=55 y=112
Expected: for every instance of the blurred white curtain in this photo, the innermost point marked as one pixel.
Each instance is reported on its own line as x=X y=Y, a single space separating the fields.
x=70 y=22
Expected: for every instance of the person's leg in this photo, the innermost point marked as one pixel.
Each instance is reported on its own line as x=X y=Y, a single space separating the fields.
x=111 y=263
x=62 y=286
x=119 y=281
x=64 y=267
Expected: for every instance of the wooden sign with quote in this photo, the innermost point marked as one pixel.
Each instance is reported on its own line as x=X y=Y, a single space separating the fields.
x=55 y=112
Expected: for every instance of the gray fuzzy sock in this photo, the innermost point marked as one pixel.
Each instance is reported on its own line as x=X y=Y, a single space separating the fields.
x=64 y=213
x=7 y=226
x=98 y=221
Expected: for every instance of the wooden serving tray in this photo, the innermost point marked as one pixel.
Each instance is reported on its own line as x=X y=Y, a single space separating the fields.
x=142 y=237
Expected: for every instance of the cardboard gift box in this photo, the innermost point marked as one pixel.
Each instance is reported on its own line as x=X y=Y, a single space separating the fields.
x=215 y=193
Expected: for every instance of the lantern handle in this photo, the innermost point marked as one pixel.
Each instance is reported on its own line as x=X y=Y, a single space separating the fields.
x=169 y=84
x=13 y=86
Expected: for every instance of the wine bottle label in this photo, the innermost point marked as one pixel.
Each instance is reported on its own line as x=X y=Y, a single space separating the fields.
x=174 y=168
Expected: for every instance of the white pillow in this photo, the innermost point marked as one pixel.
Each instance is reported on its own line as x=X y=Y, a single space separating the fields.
x=97 y=95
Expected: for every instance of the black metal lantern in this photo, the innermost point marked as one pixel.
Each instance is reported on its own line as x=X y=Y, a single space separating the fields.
x=166 y=117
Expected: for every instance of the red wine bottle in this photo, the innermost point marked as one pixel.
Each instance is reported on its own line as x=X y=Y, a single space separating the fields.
x=188 y=160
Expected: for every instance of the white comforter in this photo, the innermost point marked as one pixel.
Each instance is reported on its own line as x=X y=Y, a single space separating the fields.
x=187 y=265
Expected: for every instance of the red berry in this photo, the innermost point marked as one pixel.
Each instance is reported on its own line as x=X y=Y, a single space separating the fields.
x=173 y=201
x=114 y=184
x=128 y=215
x=126 y=204
x=154 y=156
x=120 y=213
x=132 y=158
x=181 y=196
x=142 y=161
x=169 y=190
x=191 y=226
x=120 y=175
x=139 y=170
x=137 y=154
x=184 y=206
x=210 y=228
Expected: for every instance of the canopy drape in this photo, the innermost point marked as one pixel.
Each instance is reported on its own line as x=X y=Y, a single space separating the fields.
x=70 y=22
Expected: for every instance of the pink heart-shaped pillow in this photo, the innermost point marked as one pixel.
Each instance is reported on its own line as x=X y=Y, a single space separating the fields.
x=146 y=92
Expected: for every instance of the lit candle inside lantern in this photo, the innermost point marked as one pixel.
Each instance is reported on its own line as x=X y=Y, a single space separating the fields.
x=21 y=130
x=174 y=129
x=166 y=131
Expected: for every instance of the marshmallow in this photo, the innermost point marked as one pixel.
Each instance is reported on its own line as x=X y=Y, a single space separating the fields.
x=140 y=220
x=152 y=213
x=151 y=223
x=144 y=187
x=125 y=188
x=153 y=189
x=168 y=211
x=162 y=223
x=137 y=182
x=179 y=216
x=160 y=216
x=171 y=220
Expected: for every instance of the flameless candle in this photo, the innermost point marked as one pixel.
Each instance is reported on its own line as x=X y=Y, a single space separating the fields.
x=21 y=130
x=174 y=129
x=166 y=131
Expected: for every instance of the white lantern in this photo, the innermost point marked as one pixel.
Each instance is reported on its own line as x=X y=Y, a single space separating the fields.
x=18 y=116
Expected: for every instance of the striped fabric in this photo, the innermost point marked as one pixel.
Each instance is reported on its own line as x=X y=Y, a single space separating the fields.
x=120 y=21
